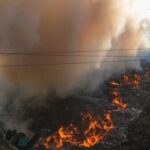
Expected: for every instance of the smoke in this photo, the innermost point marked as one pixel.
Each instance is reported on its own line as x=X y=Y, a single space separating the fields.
x=73 y=26
x=33 y=26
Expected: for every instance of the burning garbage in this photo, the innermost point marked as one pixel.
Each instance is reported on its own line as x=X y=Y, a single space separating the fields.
x=132 y=80
x=54 y=52
x=91 y=131
x=81 y=128
x=93 y=128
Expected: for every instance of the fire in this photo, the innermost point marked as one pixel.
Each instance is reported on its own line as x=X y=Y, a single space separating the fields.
x=114 y=83
x=136 y=81
x=115 y=93
x=117 y=100
x=93 y=129
x=133 y=81
x=119 y=103
x=127 y=80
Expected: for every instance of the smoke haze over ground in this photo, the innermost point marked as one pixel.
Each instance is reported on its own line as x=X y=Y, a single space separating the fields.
x=34 y=26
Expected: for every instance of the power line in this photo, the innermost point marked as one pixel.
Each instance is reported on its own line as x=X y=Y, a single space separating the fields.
x=68 y=63
x=76 y=55
x=73 y=51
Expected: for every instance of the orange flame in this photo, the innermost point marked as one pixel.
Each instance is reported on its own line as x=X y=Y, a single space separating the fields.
x=94 y=130
x=114 y=83
x=115 y=93
x=125 y=78
x=119 y=103
x=134 y=81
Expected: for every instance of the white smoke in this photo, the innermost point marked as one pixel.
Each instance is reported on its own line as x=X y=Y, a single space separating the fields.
x=32 y=26
x=87 y=25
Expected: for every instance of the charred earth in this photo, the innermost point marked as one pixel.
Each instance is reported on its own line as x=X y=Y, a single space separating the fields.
x=115 y=117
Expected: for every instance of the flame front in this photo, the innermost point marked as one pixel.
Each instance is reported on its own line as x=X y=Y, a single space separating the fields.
x=93 y=129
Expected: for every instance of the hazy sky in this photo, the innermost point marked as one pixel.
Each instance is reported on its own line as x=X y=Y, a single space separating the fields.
x=143 y=7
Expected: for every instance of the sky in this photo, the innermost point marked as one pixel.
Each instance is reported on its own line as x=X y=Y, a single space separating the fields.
x=143 y=8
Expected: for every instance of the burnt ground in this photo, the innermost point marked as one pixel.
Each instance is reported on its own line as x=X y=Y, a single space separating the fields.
x=132 y=125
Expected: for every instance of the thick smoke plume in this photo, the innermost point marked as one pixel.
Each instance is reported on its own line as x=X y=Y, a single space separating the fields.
x=50 y=26
x=60 y=26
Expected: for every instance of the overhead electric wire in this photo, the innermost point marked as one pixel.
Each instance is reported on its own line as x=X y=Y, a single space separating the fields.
x=64 y=54
x=76 y=55
x=69 y=52
x=96 y=56
x=69 y=63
